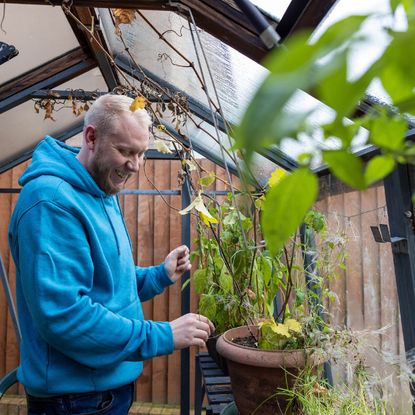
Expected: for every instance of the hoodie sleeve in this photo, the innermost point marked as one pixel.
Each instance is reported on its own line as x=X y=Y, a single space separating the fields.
x=152 y=281
x=56 y=271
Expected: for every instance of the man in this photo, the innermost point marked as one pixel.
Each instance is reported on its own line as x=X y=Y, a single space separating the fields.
x=78 y=291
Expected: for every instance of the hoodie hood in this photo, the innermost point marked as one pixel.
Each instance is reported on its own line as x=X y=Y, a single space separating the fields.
x=55 y=158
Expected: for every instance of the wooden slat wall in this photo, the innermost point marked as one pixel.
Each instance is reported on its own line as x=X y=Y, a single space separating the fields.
x=366 y=291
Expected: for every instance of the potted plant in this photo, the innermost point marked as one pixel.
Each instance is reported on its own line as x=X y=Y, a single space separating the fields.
x=288 y=338
x=233 y=275
x=259 y=298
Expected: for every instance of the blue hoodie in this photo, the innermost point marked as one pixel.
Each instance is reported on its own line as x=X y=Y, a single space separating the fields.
x=78 y=291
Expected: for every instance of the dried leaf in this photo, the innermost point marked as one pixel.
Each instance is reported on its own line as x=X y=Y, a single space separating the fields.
x=123 y=16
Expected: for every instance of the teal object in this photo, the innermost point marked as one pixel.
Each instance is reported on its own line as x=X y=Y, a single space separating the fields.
x=230 y=409
x=8 y=380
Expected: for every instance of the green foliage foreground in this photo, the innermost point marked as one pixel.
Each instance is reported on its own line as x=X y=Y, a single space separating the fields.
x=321 y=68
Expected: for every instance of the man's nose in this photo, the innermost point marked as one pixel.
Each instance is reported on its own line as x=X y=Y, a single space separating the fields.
x=134 y=164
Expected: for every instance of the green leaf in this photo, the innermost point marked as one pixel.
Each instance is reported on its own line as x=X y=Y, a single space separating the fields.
x=378 y=167
x=397 y=76
x=286 y=205
x=185 y=284
x=225 y=281
x=265 y=266
x=200 y=280
x=341 y=32
x=388 y=133
x=207 y=306
x=193 y=255
x=264 y=122
x=345 y=132
x=345 y=102
x=347 y=167
x=299 y=297
x=207 y=180
x=239 y=261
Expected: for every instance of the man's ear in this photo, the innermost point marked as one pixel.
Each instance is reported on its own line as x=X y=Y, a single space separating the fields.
x=90 y=137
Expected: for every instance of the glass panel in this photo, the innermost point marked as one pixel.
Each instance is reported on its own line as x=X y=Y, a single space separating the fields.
x=34 y=30
x=17 y=137
x=274 y=8
x=235 y=76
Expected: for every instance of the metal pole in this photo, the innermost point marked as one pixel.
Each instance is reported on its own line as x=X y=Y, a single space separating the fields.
x=267 y=33
x=399 y=186
x=308 y=244
x=185 y=308
x=10 y=301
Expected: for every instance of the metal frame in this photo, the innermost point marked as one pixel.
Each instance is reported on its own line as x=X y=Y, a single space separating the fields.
x=185 y=307
x=50 y=82
x=399 y=187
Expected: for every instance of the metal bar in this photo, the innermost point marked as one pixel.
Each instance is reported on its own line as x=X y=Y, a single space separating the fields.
x=399 y=186
x=185 y=307
x=303 y=14
x=149 y=192
x=9 y=299
x=153 y=154
x=309 y=251
x=87 y=16
x=198 y=386
x=9 y=379
x=266 y=32
x=76 y=94
x=61 y=77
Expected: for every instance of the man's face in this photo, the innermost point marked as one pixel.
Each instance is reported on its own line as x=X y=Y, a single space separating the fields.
x=119 y=154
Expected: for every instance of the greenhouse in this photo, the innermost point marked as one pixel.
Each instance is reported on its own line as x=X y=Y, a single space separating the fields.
x=207 y=207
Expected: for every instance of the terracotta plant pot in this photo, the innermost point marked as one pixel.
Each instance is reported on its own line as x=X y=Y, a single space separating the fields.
x=257 y=374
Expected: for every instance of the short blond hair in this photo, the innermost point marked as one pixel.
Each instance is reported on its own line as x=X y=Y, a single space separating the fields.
x=107 y=109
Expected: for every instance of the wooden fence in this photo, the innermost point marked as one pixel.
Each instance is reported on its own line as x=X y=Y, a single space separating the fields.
x=366 y=292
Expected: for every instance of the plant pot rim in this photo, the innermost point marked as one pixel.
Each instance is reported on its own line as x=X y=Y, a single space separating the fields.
x=297 y=358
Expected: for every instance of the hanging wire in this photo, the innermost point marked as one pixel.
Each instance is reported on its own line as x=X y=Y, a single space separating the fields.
x=213 y=113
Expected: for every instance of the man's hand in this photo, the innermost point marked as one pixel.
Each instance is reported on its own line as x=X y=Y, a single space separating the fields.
x=177 y=262
x=191 y=330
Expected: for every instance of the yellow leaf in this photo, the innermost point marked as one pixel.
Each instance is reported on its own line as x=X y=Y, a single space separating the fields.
x=207 y=219
x=281 y=329
x=162 y=147
x=276 y=176
x=207 y=180
x=138 y=104
x=293 y=325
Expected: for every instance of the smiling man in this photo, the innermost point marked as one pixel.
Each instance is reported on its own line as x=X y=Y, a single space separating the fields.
x=78 y=290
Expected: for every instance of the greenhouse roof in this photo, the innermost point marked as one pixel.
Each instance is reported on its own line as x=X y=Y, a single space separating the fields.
x=58 y=58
